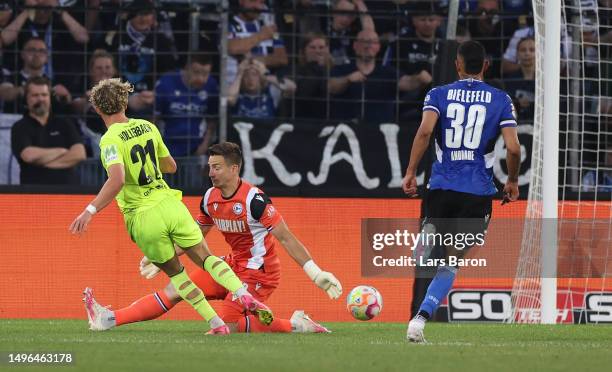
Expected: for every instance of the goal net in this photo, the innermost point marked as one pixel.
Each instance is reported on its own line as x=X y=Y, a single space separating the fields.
x=584 y=255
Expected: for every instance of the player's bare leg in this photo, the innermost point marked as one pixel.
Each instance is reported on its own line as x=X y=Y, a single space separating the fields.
x=220 y=271
x=189 y=292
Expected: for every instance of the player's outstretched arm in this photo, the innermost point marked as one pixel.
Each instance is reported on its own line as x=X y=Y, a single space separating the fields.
x=110 y=189
x=513 y=160
x=323 y=279
x=419 y=146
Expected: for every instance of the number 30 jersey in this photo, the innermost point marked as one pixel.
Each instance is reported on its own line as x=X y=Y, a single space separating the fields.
x=137 y=145
x=471 y=114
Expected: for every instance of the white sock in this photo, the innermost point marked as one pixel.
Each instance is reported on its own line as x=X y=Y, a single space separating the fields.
x=216 y=322
x=241 y=292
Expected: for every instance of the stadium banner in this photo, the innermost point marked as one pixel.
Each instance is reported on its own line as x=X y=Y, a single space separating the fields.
x=339 y=159
x=578 y=305
x=58 y=266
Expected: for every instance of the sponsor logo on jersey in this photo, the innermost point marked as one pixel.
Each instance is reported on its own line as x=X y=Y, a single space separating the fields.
x=111 y=153
x=232 y=226
x=215 y=206
x=237 y=208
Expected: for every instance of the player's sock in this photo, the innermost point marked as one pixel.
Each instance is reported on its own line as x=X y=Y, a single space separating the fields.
x=193 y=295
x=250 y=324
x=437 y=290
x=146 y=308
x=223 y=274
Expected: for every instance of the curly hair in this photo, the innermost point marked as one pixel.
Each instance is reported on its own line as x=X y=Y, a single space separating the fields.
x=111 y=95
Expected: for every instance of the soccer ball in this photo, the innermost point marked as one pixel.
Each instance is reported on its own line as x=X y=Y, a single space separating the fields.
x=364 y=302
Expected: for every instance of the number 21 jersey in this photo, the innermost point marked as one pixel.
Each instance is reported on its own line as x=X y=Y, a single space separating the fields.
x=471 y=114
x=137 y=145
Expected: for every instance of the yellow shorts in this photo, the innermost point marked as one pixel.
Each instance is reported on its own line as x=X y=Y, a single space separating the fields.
x=157 y=229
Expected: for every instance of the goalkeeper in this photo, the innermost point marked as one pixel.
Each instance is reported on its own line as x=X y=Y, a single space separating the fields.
x=253 y=228
x=135 y=156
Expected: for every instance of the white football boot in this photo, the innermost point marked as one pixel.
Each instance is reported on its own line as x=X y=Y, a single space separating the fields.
x=415 y=330
x=301 y=323
x=100 y=318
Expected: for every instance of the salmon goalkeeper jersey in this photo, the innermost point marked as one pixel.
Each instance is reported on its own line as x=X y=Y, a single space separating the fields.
x=137 y=145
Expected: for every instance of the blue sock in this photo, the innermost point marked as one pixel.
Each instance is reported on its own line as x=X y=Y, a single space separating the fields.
x=437 y=290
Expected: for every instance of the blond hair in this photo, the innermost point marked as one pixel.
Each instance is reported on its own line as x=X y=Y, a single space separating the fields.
x=111 y=95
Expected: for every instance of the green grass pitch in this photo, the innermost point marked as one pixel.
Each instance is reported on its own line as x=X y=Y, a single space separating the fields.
x=174 y=346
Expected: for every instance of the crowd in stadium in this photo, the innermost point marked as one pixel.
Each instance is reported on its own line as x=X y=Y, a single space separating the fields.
x=353 y=61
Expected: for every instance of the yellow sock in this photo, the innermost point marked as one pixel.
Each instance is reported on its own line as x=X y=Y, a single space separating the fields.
x=193 y=295
x=222 y=273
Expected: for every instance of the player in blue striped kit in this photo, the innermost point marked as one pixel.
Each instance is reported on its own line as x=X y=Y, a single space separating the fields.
x=465 y=118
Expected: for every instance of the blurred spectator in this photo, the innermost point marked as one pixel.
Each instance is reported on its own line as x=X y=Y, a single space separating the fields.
x=187 y=101
x=34 y=57
x=311 y=77
x=309 y=16
x=413 y=54
x=390 y=17
x=47 y=147
x=344 y=27
x=62 y=34
x=6 y=13
x=253 y=34
x=363 y=90
x=84 y=11
x=143 y=51
x=108 y=17
x=256 y=95
x=510 y=59
x=296 y=18
x=520 y=85
x=486 y=26
x=101 y=66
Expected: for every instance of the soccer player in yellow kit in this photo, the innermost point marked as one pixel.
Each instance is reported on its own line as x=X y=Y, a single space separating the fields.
x=135 y=157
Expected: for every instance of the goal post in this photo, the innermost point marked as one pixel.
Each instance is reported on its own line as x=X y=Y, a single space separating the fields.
x=550 y=167
x=565 y=259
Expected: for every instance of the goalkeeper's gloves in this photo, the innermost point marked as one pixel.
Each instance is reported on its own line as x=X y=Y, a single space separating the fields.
x=323 y=279
x=148 y=269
